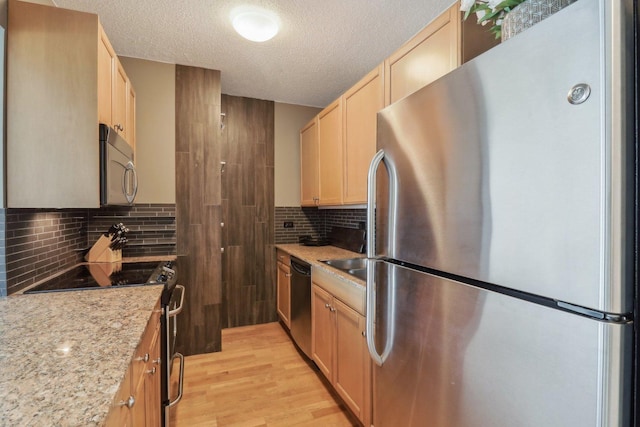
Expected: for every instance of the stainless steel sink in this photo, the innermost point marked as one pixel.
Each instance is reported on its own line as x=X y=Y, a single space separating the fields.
x=360 y=273
x=354 y=266
x=347 y=264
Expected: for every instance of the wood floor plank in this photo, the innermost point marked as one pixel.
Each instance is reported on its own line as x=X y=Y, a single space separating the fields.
x=259 y=379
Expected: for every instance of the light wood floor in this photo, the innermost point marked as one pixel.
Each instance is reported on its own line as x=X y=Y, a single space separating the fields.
x=258 y=379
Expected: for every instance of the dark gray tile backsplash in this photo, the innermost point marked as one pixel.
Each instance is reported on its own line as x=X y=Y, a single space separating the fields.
x=306 y=222
x=3 y=253
x=40 y=242
x=152 y=228
x=314 y=222
x=34 y=243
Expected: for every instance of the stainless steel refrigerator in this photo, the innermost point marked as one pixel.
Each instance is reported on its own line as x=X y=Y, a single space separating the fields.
x=500 y=289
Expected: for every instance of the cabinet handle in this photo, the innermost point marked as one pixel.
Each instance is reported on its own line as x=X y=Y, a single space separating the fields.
x=144 y=358
x=364 y=334
x=128 y=403
x=327 y=305
x=332 y=309
x=157 y=361
x=151 y=371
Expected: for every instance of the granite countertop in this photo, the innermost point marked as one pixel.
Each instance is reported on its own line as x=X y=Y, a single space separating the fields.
x=63 y=355
x=314 y=254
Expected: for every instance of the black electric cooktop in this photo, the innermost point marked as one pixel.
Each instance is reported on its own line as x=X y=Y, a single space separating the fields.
x=99 y=275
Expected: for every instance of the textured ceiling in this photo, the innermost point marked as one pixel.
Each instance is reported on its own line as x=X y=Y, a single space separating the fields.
x=323 y=48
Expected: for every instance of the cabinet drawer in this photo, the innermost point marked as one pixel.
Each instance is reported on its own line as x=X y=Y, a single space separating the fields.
x=283 y=257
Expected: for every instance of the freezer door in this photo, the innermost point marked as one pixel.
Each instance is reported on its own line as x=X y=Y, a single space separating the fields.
x=499 y=177
x=466 y=357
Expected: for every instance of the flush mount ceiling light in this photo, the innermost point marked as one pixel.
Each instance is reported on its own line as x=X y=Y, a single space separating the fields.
x=255 y=24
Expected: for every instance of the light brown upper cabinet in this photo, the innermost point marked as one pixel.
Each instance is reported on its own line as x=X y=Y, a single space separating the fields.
x=444 y=44
x=360 y=106
x=58 y=90
x=130 y=125
x=330 y=157
x=309 y=195
x=429 y=55
x=116 y=95
x=120 y=97
x=106 y=64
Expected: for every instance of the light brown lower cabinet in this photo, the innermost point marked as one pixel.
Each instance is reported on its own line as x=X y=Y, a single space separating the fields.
x=138 y=401
x=339 y=349
x=283 y=286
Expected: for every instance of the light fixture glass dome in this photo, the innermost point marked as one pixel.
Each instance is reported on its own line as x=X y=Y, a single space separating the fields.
x=254 y=24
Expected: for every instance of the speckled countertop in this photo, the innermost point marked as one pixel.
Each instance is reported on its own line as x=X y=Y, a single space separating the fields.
x=63 y=355
x=314 y=254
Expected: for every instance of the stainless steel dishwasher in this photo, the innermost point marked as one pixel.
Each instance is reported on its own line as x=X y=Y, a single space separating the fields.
x=301 y=304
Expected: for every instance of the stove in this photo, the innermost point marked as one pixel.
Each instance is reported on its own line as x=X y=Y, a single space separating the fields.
x=105 y=275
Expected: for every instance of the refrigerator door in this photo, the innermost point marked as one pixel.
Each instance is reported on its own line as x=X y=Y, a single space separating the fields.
x=465 y=357
x=499 y=177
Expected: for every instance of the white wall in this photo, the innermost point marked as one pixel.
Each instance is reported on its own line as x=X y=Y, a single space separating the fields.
x=289 y=119
x=155 y=86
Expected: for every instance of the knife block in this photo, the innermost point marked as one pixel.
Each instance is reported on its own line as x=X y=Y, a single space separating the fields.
x=101 y=252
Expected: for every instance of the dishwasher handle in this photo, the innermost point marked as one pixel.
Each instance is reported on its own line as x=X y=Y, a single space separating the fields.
x=302 y=269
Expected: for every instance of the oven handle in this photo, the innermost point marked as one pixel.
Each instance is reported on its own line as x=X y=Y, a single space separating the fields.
x=180 y=381
x=178 y=309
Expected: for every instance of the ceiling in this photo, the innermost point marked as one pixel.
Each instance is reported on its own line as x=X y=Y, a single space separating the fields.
x=323 y=48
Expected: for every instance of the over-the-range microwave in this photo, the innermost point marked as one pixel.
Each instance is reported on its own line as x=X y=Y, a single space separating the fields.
x=118 y=177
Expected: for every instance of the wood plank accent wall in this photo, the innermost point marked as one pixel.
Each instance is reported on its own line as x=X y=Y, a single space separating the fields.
x=198 y=208
x=249 y=274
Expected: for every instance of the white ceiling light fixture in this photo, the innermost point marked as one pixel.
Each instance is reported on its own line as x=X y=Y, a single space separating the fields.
x=255 y=24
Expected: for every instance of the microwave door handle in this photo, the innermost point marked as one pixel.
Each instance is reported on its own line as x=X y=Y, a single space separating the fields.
x=130 y=174
x=135 y=182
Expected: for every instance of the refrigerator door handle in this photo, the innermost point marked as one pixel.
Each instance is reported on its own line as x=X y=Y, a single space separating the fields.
x=379 y=359
x=371 y=204
x=371 y=196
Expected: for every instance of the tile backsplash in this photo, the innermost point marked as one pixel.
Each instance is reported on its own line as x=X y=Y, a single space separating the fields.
x=152 y=227
x=39 y=242
x=314 y=222
x=35 y=243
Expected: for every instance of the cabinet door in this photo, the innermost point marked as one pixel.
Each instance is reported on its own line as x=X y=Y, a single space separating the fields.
x=152 y=398
x=330 y=158
x=138 y=411
x=130 y=125
x=352 y=366
x=432 y=53
x=120 y=414
x=322 y=327
x=120 y=96
x=309 y=164
x=106 y=61
x=284 y=293
x=360 y=107
x=51 y=108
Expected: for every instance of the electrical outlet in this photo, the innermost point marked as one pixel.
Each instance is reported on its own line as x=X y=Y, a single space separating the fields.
x=288 y=224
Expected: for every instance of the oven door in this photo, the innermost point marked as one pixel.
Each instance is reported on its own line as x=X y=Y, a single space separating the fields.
x=174 y=307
